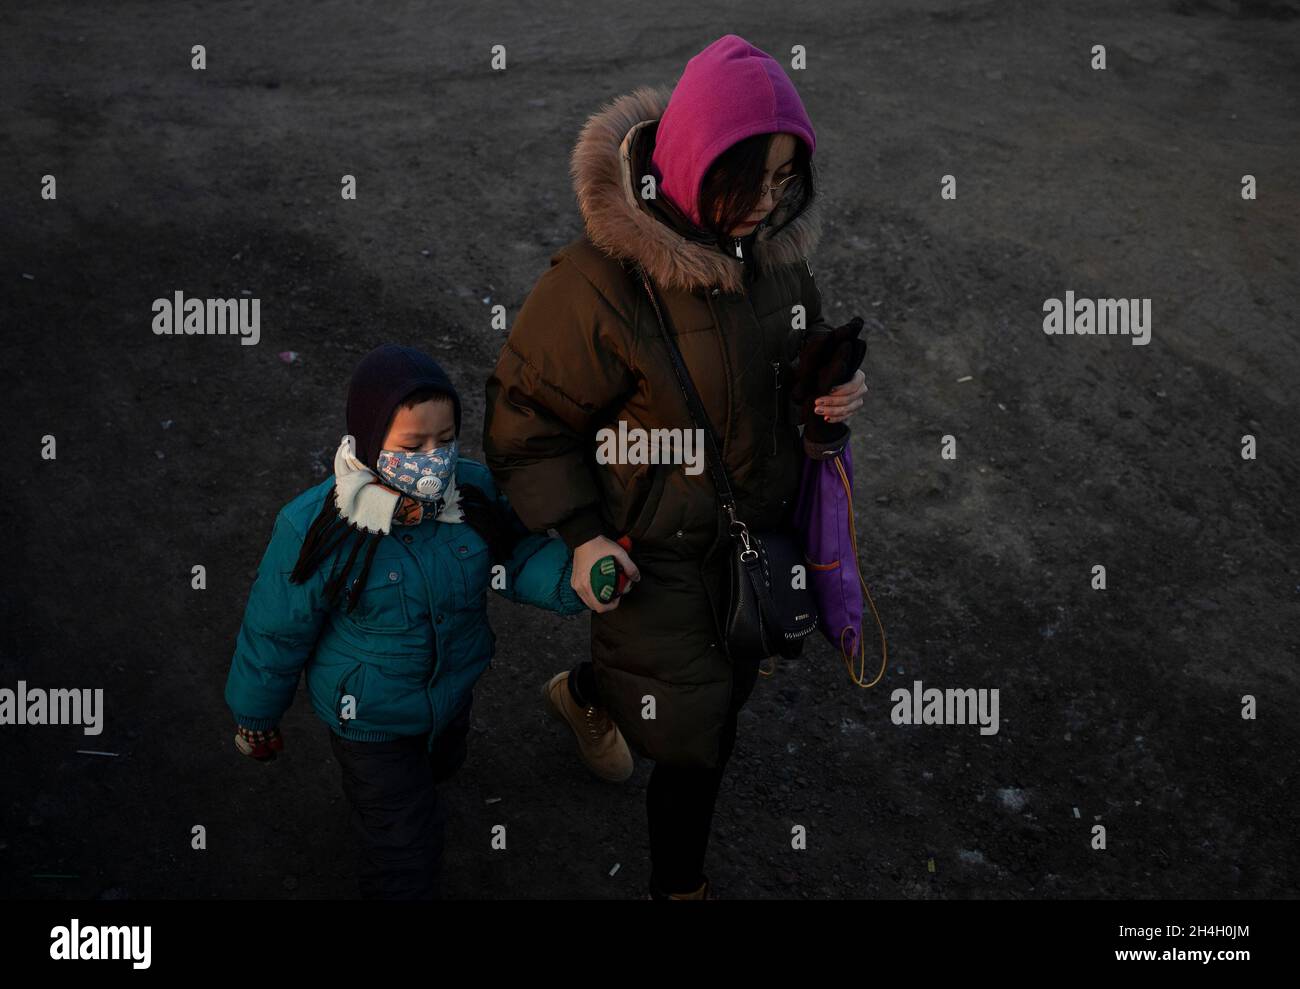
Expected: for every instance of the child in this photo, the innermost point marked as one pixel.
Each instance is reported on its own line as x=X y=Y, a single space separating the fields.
x=409 y=532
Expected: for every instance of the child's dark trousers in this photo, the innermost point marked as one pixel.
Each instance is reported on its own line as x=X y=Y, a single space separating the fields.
x=397 y=817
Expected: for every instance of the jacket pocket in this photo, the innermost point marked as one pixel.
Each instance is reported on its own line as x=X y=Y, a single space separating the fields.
x=474 y=562
x=348 y=684
x=382 y=606
x=650 y=502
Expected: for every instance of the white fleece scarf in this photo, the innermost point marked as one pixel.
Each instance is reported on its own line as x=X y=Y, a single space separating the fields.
x=366 y=502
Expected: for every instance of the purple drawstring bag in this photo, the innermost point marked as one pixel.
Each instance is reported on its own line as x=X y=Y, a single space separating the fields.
x=823 y=513
x=824 y=517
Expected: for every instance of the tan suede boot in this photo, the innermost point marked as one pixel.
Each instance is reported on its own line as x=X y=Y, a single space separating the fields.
x=703 y=893
x=700 y=894
x=600 y=743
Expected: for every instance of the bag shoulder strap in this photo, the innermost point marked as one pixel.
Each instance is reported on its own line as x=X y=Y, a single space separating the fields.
x=693 y=404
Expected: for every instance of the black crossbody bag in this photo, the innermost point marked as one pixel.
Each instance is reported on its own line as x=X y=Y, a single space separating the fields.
x=766 y=614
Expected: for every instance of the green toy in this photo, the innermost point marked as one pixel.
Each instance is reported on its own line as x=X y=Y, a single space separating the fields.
x=607 y=578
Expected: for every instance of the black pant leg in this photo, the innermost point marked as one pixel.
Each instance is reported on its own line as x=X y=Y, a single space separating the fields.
x=396 y=815
x=582 y=684
x=680 y=801
x=448 y=751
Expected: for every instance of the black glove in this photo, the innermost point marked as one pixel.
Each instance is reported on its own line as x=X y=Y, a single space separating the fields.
x=826 y=359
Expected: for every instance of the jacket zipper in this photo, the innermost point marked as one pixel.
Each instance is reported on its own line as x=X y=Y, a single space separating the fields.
x=776 y=366
x=776 y=404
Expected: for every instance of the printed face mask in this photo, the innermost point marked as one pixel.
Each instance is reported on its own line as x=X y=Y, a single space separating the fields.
x=421 y=475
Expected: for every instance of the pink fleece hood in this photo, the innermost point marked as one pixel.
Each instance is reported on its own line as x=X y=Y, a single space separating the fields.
x=728 y=92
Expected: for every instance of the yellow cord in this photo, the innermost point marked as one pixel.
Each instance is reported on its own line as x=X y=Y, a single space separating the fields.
x=861 y=658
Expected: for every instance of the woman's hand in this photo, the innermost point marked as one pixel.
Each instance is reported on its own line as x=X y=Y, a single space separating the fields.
x=585 y=557
x=843 y=400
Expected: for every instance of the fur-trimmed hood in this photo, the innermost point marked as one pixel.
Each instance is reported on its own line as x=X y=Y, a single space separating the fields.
x=604 y=166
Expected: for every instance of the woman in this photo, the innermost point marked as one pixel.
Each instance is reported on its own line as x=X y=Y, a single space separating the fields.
x=710 y=193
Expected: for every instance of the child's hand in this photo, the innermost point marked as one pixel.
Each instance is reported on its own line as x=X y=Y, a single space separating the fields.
x=259 y=745
x=583 y=559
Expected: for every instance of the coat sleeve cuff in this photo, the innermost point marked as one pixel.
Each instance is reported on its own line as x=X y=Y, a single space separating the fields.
x=582 y=525
x=256 y=724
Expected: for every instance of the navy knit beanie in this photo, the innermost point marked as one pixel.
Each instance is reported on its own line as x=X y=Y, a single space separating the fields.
x=385 y=376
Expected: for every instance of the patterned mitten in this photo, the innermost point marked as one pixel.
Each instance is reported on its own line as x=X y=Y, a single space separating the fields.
x=259 y=745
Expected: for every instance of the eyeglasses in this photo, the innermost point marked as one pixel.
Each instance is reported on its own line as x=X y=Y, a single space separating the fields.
x=780 y=188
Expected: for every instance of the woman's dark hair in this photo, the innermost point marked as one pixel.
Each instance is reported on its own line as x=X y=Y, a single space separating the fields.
x=731 y=188
x=329 y=532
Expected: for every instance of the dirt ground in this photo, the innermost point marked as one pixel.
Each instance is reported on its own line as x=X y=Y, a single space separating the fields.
x=1119 y=707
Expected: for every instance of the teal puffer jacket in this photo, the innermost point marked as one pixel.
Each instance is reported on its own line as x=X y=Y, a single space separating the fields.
x=418 y=639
